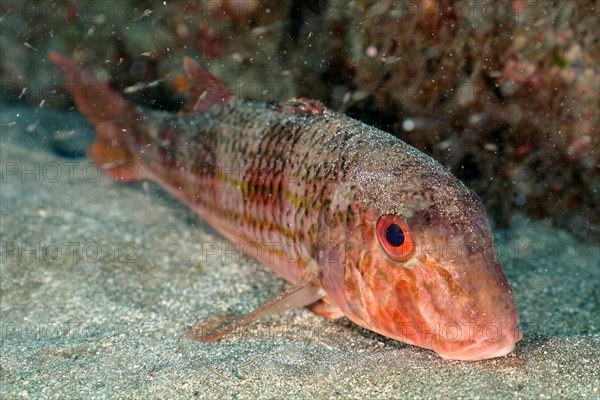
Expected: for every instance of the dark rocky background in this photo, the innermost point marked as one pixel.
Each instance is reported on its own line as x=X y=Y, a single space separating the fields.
x=506 y=93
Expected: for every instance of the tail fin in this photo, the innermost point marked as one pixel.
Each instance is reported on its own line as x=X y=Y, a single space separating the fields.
x=110 y=113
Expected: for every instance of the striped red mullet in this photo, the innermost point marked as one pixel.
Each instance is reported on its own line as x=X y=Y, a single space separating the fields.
x=360 y=223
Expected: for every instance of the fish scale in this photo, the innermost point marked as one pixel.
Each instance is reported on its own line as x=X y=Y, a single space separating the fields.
x=273 y=194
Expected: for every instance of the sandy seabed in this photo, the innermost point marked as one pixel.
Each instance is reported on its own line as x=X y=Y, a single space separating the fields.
x=101 y=283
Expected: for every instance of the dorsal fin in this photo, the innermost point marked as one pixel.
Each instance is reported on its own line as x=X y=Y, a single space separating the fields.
x=207 y=89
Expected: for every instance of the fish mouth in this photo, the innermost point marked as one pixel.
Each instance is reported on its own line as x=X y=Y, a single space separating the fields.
x=486 y=350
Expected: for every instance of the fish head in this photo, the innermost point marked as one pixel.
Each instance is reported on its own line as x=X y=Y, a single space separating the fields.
x=408 y=252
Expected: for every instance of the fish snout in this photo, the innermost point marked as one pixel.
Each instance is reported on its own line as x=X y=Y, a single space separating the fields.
x=487 y=342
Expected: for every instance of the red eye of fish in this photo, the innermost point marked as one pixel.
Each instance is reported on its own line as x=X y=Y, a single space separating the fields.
x=394 y=236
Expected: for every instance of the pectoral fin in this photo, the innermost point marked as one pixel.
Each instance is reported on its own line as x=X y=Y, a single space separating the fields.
x=302 y=294
x=326 y=308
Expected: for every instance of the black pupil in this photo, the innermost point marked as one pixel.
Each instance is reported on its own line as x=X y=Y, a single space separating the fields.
x=394 y=235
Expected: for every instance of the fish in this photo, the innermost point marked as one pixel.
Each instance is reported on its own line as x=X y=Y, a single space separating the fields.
x=361 y=224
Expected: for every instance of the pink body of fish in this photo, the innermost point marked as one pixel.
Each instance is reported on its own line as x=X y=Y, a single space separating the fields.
x=360 y=223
